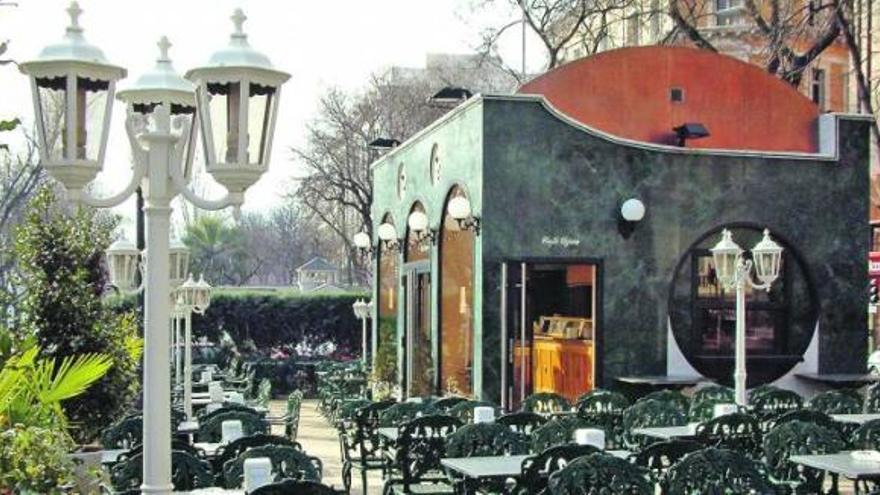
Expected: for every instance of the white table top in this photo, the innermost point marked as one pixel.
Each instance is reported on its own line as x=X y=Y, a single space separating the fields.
x=666 y=432
x=841 y=463
x=498 y=466
x=188 y=427
x=858 y=419
x=209 y=448
x=389 y=432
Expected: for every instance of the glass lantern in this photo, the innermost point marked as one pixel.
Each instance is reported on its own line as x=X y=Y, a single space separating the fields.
x=123 y=260
x=726 y=255
x=459 y=208
x=237 y=96
x=202 y=296
x=73 y=87
x=178 y=263
x=767 y=257
x=387 y=232
x=417 y=221
x=361 y=240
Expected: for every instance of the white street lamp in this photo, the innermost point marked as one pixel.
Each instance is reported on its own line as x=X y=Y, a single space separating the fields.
x=123 y=258
x=362 y=311
x=734 y=272
x=192 y=297
x=73 y=88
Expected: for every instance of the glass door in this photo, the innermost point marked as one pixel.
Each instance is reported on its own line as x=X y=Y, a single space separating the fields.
x=517 y=375
x=420 y=369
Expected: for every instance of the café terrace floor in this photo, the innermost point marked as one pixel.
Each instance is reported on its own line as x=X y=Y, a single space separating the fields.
x=319 y=439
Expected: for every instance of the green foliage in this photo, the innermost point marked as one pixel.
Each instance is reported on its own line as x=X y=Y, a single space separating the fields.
x=35 y=460
x=218 y=250
x=60 y=257
x=385 y=367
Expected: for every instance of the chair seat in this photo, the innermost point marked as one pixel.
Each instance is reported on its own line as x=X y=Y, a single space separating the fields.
x=368 y=463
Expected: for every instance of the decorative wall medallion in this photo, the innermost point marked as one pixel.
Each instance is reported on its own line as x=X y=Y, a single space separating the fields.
x=435 y=164
x=401 y=181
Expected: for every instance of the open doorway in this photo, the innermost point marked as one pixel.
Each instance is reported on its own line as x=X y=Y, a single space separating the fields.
x=550 y=323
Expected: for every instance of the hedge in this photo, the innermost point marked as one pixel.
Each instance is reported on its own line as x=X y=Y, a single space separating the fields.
x=276 y=319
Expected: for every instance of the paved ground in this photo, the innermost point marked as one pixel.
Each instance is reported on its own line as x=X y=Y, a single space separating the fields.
x=319 y=439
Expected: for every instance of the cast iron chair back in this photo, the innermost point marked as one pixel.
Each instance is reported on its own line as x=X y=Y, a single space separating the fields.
x=445 y=403
x=771 y=402
x=295 y=487
x=660 y=456
x=175 y=445
x=464 y=410
x=673 y=397
x=187 y=472
x=125 y=434
x=360 y=446
x=203 y=415
x=536 y=469
x=798 y=438
x=714 y=392
x=600 y=401
x=597 y=474
x=647 y=413
x=872 y=398
x=738 y=431
x=836 y=402
x=867 y=436
x=287 y=462
x=235 y=448
x=522 y=422
x=404 y=412
x=808 y=416
x=545 y=403
x=714 y=471
x=421 y=443
x=704 y=410
x=486 y=439
x=211 y=430
x=559 y=430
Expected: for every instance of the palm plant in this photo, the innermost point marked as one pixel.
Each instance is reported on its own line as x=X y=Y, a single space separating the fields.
x=32 y=388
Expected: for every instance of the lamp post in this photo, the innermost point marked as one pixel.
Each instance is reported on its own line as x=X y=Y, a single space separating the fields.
x=735 y=272
x=235 y=103
x=363 y=310
x=192 y=297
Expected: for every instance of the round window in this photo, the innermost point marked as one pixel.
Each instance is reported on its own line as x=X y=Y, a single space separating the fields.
x=401 y=181
x=779 y=322
x=435 y=164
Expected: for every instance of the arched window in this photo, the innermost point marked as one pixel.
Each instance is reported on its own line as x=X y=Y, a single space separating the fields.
x=456 y=303
x=779 y=323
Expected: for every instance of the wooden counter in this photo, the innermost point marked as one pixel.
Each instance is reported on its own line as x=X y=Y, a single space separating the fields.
x=564 y=366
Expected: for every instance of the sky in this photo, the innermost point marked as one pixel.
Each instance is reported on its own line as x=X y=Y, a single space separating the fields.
x=321 y=43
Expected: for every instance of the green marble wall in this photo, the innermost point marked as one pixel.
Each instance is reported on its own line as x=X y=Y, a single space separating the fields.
x=547 y=178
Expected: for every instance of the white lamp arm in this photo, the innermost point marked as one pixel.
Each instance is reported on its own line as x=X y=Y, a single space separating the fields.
x=230 y=199
x=138 y=172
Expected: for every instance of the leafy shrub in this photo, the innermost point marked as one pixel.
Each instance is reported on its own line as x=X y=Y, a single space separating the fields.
x=35 y=460
x=60 y=256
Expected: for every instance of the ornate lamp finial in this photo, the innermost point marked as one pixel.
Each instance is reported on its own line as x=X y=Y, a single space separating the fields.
x=238 y=19
x=164 y=46
x=74 y=11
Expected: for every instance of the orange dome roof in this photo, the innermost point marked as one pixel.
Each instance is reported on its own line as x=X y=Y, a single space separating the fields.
x=629 y=93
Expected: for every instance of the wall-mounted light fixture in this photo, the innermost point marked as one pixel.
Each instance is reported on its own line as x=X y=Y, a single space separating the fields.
x=363 y=244
x=418 y=224
x=388 y=235
x=459 y=208
x=632 y=211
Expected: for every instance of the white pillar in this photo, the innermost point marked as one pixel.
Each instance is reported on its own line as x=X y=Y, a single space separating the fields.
x=739 y=375
x=178 y=357
x=187 y=365
x=364 y=340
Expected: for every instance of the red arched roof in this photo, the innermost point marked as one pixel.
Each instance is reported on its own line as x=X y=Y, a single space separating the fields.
x=626 y=93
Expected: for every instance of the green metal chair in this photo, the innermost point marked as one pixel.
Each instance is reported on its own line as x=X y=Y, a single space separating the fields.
x=658 y=457
x=291 y=420
x=599 y=474
x=604 y=409
x=714 y=471
x=404 y=412
x=211 y=429
x=295 y=487
x=125 y=434
x=486 y=439
x=798 y=438
x=233 y=449
x=287 y=463
x=872 y=398
x=203 y=415
x=704 y=410
x=739 y=431
x=187 y=472
x=545 y=403
x=464 y=410
x=536 y=469
x=361 y=447
x=808 y=416
x=673 y=397
x=443 y=404
x=714 y=392
x=867 y=437
x=768 y=403
x=421 y=443
x=558 y=431
x=835 y=402
x=522 y=422
x=647 y=413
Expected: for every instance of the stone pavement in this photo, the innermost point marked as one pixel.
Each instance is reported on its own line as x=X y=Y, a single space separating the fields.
x=319 y=439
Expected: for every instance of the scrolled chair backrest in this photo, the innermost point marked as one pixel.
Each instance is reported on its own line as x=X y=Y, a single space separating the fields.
x=227 y=406
x=295 y=487
x=523 y=422
x=545 y=403
x=403 y=412
x=704 y=410
x=807 y=416
x=673 y=397
x=872 y=399
x=464 y=410
x=713 y=471
x=187 y=472
x=598 y=474
x=211 y=430
x=558 y=431
x=658 y=457
x=647 y=413
x=536 y=469
x=867 y=436
x=443 y=404
x=836 y=402
x=772 y=402
x=601 y=402
x=738 y=431
x=125 y=434
x=795 y=438
x=236 y=447
x=287 y=463
x=714 y=392
x=486 y=439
